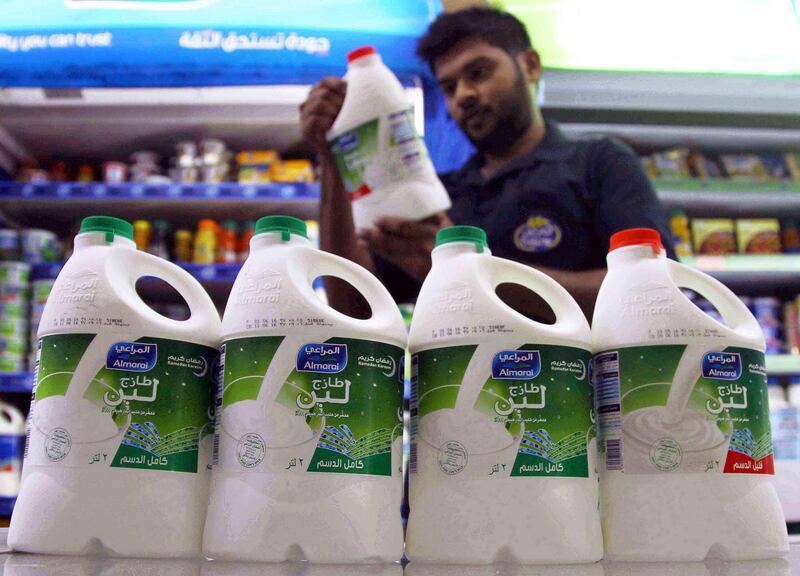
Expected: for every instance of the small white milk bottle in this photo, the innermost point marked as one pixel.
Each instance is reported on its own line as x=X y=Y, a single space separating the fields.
x=381 y=159
x=683 y=417
x=502 y=433
x=310 y=427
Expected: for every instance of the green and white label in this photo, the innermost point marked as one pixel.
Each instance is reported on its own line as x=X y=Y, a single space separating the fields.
x=143 y=404
x=669 y=408
x=320 y=407
x=365 y=162
x=516 y=412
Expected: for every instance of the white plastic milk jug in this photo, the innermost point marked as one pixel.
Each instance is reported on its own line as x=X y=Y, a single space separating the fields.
x=684 y=430
x=502 y=447
x=785 y=421
x=120 y=430
x=310 y=428
x=12 y=433
x=382 y=161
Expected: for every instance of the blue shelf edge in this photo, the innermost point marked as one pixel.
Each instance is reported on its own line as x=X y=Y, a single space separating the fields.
x=212 y=272
x=16 y=382
x=287 y=191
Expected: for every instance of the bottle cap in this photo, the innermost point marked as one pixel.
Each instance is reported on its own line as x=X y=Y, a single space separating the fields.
x=636 y=236
x=286 y=225
x=360 y=53
x=470 y=234
x=108 y=224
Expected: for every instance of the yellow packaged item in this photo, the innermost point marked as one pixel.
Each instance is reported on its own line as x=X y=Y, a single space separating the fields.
x=292 y=171
x=759 y=236
x=714 y=236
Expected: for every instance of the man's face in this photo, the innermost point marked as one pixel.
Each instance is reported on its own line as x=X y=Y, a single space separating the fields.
x=487 y=93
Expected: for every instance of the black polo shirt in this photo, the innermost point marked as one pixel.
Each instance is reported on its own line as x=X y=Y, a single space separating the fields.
x=555 y=207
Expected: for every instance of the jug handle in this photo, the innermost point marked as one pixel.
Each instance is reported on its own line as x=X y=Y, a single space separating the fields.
x=570 y=319
x=734 y=312
x=385 y=312
x=203 y=320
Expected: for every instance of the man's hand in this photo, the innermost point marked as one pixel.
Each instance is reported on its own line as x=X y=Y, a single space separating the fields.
x=406 y=243
x=320 y=109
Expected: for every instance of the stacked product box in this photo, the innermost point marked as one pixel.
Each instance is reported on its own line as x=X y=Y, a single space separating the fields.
x=15 y=306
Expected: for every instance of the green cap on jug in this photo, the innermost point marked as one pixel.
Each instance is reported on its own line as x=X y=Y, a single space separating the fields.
x=108 y=224
x=471 y=234
x=286 y=225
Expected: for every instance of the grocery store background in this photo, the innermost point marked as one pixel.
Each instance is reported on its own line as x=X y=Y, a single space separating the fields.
x=182 y=115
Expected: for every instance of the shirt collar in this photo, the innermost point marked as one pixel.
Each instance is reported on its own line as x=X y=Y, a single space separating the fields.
x=554 y=147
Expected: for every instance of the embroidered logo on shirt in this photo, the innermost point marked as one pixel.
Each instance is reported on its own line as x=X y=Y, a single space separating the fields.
x=538 y=234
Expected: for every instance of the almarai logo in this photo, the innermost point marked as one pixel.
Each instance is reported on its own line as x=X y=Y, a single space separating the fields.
x=516 y=365
x=722 y=366
x=132 y=356
x=325 y=358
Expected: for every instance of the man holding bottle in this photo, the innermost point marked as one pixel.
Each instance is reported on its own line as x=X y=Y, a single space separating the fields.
x=544 y=200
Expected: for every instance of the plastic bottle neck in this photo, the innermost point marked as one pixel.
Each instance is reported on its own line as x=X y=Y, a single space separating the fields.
x=269 y=239
x=88 y=239
x=453 y=249
x=636 y=253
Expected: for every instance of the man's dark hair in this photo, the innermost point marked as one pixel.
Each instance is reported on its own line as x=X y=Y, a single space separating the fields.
x=496 y=27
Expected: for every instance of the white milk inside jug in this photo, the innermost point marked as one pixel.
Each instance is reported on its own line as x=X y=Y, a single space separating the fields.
x=310 y=430
x=785 y=420
x=683 y=418
x=382 y=161
x=12 y=434
x=121 y=427
x=502 y=446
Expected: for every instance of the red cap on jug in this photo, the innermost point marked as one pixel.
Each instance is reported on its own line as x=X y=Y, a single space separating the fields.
x=634 y=236
x=360 y=52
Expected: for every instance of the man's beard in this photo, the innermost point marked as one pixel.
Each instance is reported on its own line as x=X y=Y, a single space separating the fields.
x=513 y=114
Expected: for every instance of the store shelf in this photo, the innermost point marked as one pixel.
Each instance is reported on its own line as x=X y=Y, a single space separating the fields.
x=62 y=204
x=752 y=274
x=731 y=198
x=783 y=364
x=16 y=383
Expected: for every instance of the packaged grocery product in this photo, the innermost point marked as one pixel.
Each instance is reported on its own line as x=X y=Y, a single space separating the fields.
x=115 y=172
x=775 y=165
x=159 y=239
x=9 y=244
x=309 y=434
x=244 y=240
x=704 y=167
x=744 y=167
x=227 y=243
x=205 y=242
x=183 y=251
x=254 y=165
x=767 y=312
x=793 y=165
x=681 y=236
x=713 y=236
x=790 y=236
x=39 y=246
x=502 y=432
x=141 y=234
x=683 y=417
x=292 y=171
x=758 y=235
x=672 y=164
x=382 y=160
x=121 y=424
